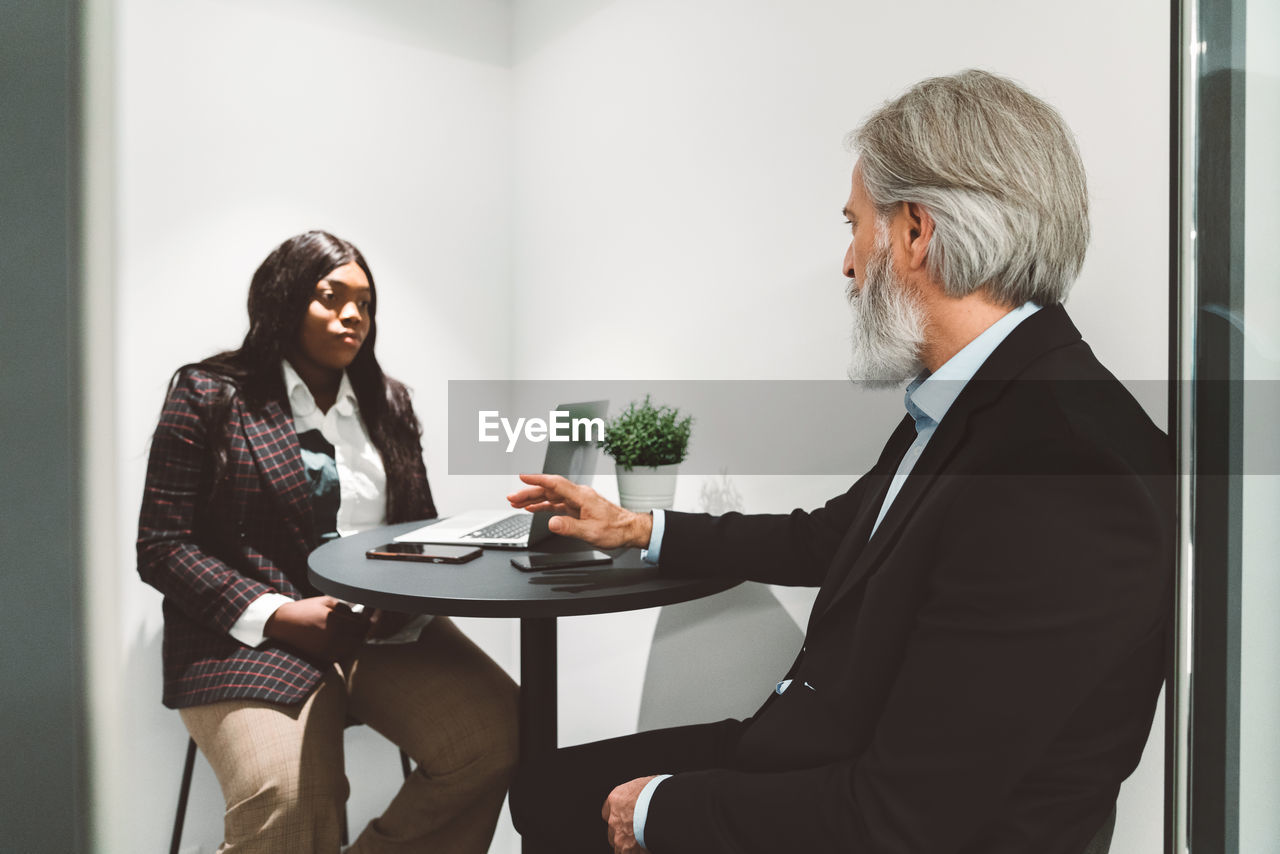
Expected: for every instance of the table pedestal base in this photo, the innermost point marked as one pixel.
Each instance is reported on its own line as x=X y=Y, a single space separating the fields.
x=538 y=702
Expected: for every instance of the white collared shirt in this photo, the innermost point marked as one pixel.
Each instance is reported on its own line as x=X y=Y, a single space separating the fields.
x=362 y=482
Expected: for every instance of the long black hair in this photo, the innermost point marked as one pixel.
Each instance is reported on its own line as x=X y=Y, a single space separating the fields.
x=279 y=295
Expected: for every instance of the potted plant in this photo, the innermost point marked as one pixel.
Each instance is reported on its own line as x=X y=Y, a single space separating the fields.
x=647 y=444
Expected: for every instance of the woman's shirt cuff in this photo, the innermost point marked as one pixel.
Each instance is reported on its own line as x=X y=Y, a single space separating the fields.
x=250 y=628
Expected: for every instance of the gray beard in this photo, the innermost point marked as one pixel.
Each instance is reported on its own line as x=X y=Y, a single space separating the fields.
x=888 y=327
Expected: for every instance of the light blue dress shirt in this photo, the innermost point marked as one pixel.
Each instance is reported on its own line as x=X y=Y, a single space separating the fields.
x=928 y=398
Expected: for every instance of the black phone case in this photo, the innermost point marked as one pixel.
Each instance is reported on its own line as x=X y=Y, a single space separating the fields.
x=377 y=555
x=566 y=565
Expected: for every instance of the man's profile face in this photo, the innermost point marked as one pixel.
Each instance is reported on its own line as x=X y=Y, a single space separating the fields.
x=861 y=215
x=888 y=321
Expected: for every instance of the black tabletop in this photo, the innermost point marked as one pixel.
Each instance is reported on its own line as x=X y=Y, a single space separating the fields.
x=490 y=586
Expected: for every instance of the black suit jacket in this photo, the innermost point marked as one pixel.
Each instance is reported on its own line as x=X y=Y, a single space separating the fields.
x=211 y=552
x=978 y=676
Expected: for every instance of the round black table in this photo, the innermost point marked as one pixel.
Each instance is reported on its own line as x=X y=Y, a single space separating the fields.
x=490 y=586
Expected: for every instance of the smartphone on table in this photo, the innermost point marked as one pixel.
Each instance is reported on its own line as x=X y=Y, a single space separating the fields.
x=428 y=552
x=536 y=561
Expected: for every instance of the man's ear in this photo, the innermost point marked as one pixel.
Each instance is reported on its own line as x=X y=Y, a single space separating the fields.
x=915 y=233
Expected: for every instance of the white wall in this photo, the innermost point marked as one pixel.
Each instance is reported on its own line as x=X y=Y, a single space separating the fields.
x=659 y=180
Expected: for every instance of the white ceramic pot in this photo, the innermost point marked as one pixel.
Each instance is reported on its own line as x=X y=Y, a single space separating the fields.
x=647 y=487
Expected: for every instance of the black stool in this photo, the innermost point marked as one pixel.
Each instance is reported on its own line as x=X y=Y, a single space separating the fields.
x=184 y=793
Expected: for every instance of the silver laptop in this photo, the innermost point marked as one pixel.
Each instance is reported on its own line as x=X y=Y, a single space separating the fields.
x=518 y=529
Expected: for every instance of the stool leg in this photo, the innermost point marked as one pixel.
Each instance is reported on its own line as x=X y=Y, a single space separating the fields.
x=180 y=817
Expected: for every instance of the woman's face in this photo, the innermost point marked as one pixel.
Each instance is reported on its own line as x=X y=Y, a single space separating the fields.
x=337 y=319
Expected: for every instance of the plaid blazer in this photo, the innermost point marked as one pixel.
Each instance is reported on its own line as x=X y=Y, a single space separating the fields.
x=212 y=553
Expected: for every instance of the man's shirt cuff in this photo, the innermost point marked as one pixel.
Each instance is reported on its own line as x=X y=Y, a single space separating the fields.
x=253 y=622
x=651 y=554
x=642 y=802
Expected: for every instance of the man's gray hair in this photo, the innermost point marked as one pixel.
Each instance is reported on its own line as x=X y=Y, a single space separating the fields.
x=999 y=171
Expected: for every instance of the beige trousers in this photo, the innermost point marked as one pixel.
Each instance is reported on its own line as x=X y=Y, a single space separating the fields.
x=441 y=699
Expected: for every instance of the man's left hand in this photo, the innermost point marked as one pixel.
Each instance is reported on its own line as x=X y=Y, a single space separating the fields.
x=619 y=812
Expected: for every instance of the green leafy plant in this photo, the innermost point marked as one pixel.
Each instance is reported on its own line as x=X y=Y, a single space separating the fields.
x=647 y=435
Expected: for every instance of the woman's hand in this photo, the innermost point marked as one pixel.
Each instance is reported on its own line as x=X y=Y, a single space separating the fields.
x=586 y=515
x=321 y=627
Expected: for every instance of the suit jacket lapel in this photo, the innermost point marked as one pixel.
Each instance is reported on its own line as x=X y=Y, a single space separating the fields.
x=1046 y=330
x=273 y=442
x=882 y=475
x=941 y=448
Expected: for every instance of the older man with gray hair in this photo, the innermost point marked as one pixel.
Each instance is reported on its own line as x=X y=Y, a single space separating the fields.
x=984 y=655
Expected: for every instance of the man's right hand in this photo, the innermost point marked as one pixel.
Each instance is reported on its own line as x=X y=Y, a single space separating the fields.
x=321 y=627
x=584 y=514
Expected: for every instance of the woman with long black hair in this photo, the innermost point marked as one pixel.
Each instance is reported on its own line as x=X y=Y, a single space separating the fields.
x=261 y=454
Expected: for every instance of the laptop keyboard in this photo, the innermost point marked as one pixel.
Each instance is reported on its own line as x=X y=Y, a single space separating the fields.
x=511 y=528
